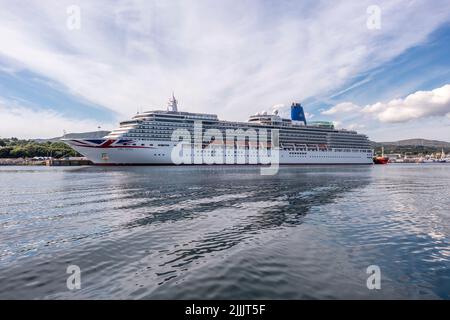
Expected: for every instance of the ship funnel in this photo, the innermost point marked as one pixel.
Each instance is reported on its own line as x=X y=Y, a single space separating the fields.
x=297 y=113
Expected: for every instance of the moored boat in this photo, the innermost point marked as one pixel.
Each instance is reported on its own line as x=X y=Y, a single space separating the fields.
x=381 y=159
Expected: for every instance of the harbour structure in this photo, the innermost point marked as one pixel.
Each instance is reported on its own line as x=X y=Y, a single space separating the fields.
x=147 y=138
x=443 y=158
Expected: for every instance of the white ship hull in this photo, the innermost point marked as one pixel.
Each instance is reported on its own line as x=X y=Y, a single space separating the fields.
x=176 y=137
x=152 y=153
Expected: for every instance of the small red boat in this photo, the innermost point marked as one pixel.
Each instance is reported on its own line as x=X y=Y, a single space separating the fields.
x=381 y=159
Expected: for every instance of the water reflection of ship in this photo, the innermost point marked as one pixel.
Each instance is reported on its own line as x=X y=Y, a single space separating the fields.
x=260 y=206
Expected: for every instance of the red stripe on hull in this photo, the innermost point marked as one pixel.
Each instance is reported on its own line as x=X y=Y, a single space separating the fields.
x=107 y=144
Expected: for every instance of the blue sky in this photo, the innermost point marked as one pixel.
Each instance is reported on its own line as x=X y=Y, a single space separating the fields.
x=425 y=66
x=233 y=58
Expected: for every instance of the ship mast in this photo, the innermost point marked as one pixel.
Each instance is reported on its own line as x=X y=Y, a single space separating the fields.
x=173 y=104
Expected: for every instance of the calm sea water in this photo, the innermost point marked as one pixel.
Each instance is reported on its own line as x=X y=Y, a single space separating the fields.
x=225 y=232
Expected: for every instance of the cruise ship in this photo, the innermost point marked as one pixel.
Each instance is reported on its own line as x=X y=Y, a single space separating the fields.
x=148 y=138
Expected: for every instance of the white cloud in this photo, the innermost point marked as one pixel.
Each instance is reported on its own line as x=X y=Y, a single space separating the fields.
x=421 y=104
x=23 y=122
x=345 y=107
x=418 y=105
x=233 y=58
x=399 y=116
x=355 y=126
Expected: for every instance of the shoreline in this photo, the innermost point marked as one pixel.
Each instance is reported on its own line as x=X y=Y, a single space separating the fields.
x=21 y=162
x=47 y=162
x=66 y=163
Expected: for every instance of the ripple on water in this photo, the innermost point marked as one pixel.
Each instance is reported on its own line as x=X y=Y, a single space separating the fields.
x=225 y=232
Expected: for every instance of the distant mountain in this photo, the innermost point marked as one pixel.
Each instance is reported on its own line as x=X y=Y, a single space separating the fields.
x=415 y=143
x=94 y=134
x=412 y=147
x=83 y=135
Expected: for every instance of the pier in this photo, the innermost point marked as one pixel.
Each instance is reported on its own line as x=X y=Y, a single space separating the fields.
x=46 y=162
x=68 y=162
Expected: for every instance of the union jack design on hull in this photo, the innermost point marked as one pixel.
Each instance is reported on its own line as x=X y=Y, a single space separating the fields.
x=105 y=143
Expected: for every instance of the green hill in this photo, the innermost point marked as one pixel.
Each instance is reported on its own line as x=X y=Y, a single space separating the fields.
x=412 y=146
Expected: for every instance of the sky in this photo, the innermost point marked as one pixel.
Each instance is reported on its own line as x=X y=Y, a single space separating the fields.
x=379 y=67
